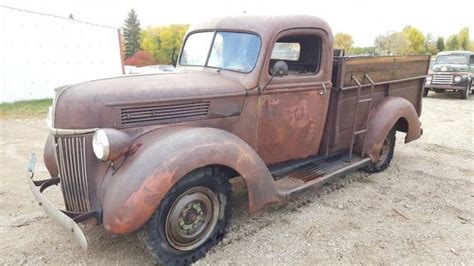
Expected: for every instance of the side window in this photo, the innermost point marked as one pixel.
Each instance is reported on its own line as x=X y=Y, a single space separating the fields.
x=471 y=60
x=286 y=51
x=302 y=54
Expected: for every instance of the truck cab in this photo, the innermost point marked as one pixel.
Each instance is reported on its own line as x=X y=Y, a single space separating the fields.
x=263 y=98
x=451 y=71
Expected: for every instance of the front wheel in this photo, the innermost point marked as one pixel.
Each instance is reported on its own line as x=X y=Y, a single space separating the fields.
x=386 y=154
x=425 y=92
x=464 y=94
x=190 y=219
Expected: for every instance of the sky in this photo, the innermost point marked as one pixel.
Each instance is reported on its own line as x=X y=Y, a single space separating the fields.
x=363 y=19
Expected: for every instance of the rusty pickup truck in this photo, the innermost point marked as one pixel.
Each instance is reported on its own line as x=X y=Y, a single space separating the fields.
x=262 y=98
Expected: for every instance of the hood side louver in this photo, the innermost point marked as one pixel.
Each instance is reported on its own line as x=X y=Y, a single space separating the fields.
x=164 y=112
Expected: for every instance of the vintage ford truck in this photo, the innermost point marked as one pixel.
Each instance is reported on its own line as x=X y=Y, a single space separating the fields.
x=263 y=98
x=451 y=70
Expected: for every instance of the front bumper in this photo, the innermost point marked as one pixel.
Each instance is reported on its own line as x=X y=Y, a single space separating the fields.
x=69 y=221
x=446 y=87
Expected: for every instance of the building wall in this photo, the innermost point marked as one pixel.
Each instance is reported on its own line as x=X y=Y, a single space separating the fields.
x=39 y=52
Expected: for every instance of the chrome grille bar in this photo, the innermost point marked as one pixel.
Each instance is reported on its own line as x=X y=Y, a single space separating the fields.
x=442 y=79
x=71 y=155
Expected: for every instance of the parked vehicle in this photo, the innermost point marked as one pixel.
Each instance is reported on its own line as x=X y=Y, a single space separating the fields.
x=452 y=71
x=258 y=97
x=151 y=69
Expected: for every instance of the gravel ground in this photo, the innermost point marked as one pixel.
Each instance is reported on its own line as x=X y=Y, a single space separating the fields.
x=420 y=210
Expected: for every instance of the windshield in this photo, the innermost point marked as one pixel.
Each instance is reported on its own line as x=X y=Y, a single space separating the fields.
x=452 y=59
x=230 y=50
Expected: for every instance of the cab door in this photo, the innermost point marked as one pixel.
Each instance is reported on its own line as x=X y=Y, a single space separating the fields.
x=292 y=109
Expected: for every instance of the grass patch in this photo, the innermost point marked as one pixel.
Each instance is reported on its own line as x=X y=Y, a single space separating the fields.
x=21 y=109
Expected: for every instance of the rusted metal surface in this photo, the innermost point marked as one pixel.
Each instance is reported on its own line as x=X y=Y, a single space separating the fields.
x=384 y=116
x=166 y=125
x=131 y=195
x=113 y=95
x=48 y=157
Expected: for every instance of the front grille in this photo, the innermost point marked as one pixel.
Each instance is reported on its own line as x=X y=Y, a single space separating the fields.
x=164 y=113
x=71 y=154
x=442 y=79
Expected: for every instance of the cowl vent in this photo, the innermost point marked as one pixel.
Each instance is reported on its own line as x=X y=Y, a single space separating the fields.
x=164 y=113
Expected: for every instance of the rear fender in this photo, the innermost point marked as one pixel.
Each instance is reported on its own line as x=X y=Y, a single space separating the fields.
x=131 y=195
x=389 y=113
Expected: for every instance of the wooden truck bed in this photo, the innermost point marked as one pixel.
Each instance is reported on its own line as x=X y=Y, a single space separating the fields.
x=401 y=76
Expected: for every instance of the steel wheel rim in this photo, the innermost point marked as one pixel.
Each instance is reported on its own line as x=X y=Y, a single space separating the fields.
x=192 y=218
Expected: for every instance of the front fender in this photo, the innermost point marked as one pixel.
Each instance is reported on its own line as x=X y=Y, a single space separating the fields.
x=131 y=195
x=390 y=112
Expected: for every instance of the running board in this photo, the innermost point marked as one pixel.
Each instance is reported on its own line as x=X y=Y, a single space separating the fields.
x=312 y=174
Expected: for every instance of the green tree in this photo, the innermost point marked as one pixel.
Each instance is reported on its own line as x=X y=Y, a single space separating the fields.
x=430 y=44
x=131 y=34
x=343 y=41
x=392 y=44
x=440 y=44
x=415 y=38
x=362 y=51
x=164 y=42
x=452 y=43
x=463 y=39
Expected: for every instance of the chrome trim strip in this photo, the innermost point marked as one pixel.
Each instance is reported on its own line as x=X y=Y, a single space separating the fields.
x=68 y=132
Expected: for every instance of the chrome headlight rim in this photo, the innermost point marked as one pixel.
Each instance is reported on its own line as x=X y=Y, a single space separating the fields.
x=457 y=79
x=101 y=145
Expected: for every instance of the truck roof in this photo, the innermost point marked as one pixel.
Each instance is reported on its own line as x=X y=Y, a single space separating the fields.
x=265 y=26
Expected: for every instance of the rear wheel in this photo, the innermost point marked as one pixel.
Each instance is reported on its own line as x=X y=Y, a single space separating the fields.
x=386 y=154
x=190 y=219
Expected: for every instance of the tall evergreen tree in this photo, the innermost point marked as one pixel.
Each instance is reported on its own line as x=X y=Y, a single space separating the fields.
x=440 y=44
x=131 y=34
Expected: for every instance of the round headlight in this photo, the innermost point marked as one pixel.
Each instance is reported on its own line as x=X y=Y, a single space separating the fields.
x=101 y=145
x=457 y=78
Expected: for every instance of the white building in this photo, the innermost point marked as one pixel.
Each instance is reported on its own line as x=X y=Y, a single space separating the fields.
x=39 y=52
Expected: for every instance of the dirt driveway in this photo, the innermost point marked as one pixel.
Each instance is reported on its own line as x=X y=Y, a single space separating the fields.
x=419 y=210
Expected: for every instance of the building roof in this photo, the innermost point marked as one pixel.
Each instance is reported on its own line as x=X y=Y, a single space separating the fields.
x=54 y=16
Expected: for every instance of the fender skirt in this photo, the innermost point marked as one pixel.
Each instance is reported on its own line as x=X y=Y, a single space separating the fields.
x=131 y=194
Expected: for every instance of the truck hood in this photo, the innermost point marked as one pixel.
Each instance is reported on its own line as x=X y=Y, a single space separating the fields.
x=98 y=103
x=450 y=68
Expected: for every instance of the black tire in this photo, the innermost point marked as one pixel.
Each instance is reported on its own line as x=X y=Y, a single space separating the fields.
x=157 y=234
x=386 y=154
x=464 y=94
x=425 y=92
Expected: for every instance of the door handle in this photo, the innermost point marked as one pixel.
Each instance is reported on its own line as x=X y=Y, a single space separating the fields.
x=325 y=90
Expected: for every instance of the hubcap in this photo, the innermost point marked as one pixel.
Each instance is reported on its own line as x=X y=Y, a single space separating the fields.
x=192 y=218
